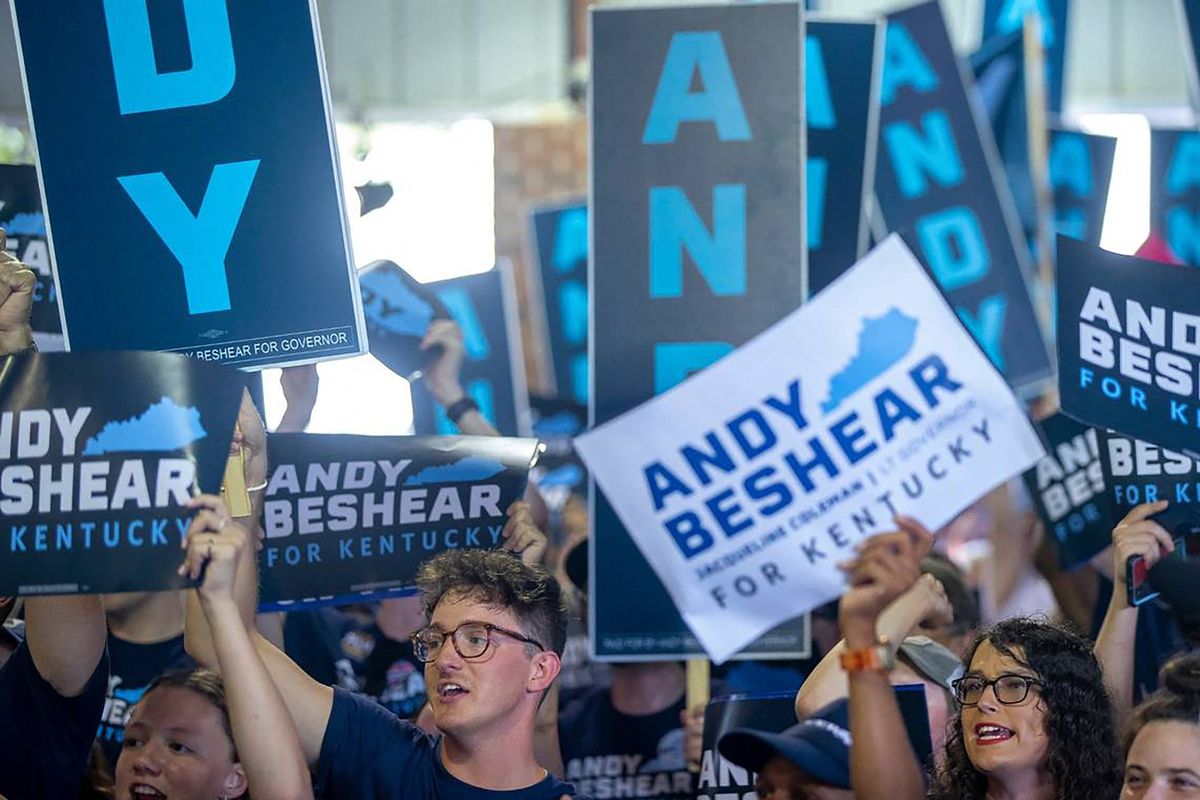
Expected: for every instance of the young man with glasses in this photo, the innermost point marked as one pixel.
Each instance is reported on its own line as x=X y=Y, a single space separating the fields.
x=491 y=649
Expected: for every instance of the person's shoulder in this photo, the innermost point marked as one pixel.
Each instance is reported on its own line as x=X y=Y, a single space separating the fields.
x=584 y=704
x=350 y=709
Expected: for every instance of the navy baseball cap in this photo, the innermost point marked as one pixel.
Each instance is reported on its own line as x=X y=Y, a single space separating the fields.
x=819 y=746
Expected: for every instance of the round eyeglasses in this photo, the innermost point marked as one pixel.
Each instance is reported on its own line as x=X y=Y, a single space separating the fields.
x=470 y=640
x=1009 y=689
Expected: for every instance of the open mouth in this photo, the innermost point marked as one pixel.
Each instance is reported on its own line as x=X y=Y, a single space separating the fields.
x=992 y=734
x=140 y=790
x=449 y=691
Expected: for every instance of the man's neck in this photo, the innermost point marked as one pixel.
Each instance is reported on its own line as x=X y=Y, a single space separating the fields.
x=499 y=761
x=1022 y=785
x=157 y=618
x=643 y=689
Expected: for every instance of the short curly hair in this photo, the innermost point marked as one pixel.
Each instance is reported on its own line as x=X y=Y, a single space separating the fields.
x=499 y=579
x=1177 y=701
x=1082 y=757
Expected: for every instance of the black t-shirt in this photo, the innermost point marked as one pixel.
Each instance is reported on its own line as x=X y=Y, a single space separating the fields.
x=134 y=666
x=610 y=754
x=336 y=650
x=44 y=737
x=369 y=754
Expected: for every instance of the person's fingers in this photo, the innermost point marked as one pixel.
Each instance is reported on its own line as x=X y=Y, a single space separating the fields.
x=211 y=502
x=1145 y=528
x=920 y=537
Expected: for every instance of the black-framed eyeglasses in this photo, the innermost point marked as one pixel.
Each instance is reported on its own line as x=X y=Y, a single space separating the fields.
x=1010 y=689
x=471 y=640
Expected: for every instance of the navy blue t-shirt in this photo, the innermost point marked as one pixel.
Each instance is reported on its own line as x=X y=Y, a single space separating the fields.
x=369 y=754
x=45 y=737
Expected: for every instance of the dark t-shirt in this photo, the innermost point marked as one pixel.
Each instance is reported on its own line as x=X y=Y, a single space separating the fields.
x=610 y=754
x=44 y=737
x=336 y=650
x=369 y=754
x=134 y=666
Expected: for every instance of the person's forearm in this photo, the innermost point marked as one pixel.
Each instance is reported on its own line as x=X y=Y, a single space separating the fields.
x=1115 y=647
x=197 y=634
x=827 y=682
x=882 y=763
x=266 y=739
x=66 y=638
x=294 y=421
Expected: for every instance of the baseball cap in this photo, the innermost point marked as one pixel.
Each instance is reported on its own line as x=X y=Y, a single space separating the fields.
x=819 y=746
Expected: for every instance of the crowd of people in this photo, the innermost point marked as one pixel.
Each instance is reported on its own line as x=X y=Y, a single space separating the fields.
x=480 y=686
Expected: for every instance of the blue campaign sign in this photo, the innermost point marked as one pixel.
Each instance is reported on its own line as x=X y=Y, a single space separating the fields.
x=1190 y=11
x=493 y=373
x=24 y=226
x=938 y=176
x=1129 y=345
x=1175 y=191
x=1005 y=16
x=697 y=188
x=1080 y=173
x=843 y=64
x=560 y=240
x=191 y=187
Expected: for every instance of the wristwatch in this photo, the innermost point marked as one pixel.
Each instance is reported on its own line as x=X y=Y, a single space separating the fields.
x=881 y=657
x=457 y=409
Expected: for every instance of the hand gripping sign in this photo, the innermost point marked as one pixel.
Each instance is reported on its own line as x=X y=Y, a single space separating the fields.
x=747 y=484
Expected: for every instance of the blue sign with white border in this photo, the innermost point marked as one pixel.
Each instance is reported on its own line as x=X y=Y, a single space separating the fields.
x=560 y=241
x=191 y=187
x=697 y=147
x=843 y=65
x=938 y=175
x=493 y=372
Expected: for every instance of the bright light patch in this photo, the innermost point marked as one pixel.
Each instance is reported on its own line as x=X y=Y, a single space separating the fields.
x=1127 y=215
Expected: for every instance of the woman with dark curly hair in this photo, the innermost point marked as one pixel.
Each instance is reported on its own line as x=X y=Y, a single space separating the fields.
x=1036 y=721
x=1163 y=743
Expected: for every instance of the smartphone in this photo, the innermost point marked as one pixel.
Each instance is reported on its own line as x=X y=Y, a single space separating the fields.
x=1136 y=570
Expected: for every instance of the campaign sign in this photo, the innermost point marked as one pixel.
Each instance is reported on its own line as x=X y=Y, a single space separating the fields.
x=1175 y=191
x=101 y=453
x=774 y=713
x=1129 y=345
x=493 y=370
x=1081 y=168
x=559 y=472
x=25 y=228
x=1067 y=486
x=193 y=196
x=1006 y=16
x=697 y=199
x=939 y=177
x=745 y=486
x=1140 y=472
x=560 y=240
x=843 y=64
x=348 y=517
x=398 y=311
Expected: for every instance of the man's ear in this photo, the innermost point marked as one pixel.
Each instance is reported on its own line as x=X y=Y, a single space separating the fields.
x=543 y=669
x=235 y=784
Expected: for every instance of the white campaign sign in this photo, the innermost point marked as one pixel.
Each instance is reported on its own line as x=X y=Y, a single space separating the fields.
x=745 y=485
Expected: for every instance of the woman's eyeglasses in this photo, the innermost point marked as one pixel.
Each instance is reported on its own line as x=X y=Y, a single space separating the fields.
x=470 y=640
x=1009 y=689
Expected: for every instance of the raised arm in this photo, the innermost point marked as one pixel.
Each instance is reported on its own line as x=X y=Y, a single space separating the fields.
x=300 y=386
x=924 y=601
x=1135 y=535
x=442 y=376
x=267 y=742
x=882 y=765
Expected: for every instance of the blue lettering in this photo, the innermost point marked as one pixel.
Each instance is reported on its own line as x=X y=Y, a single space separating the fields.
x=931 y=152
x=573 y=306
x=674 y=102
x=571 y=239
x=954 y=247
x=475 y=342
x=689 y=534
x=674 y=362
x=1183 y=234
x=662 y=484
x=818 y=170
x=818 y=101
x=675 y=226
x=904 y=65
x=1071 y=164
x=1185 y=164
x=140 y=86
x=988 y=327
x=201 y=242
